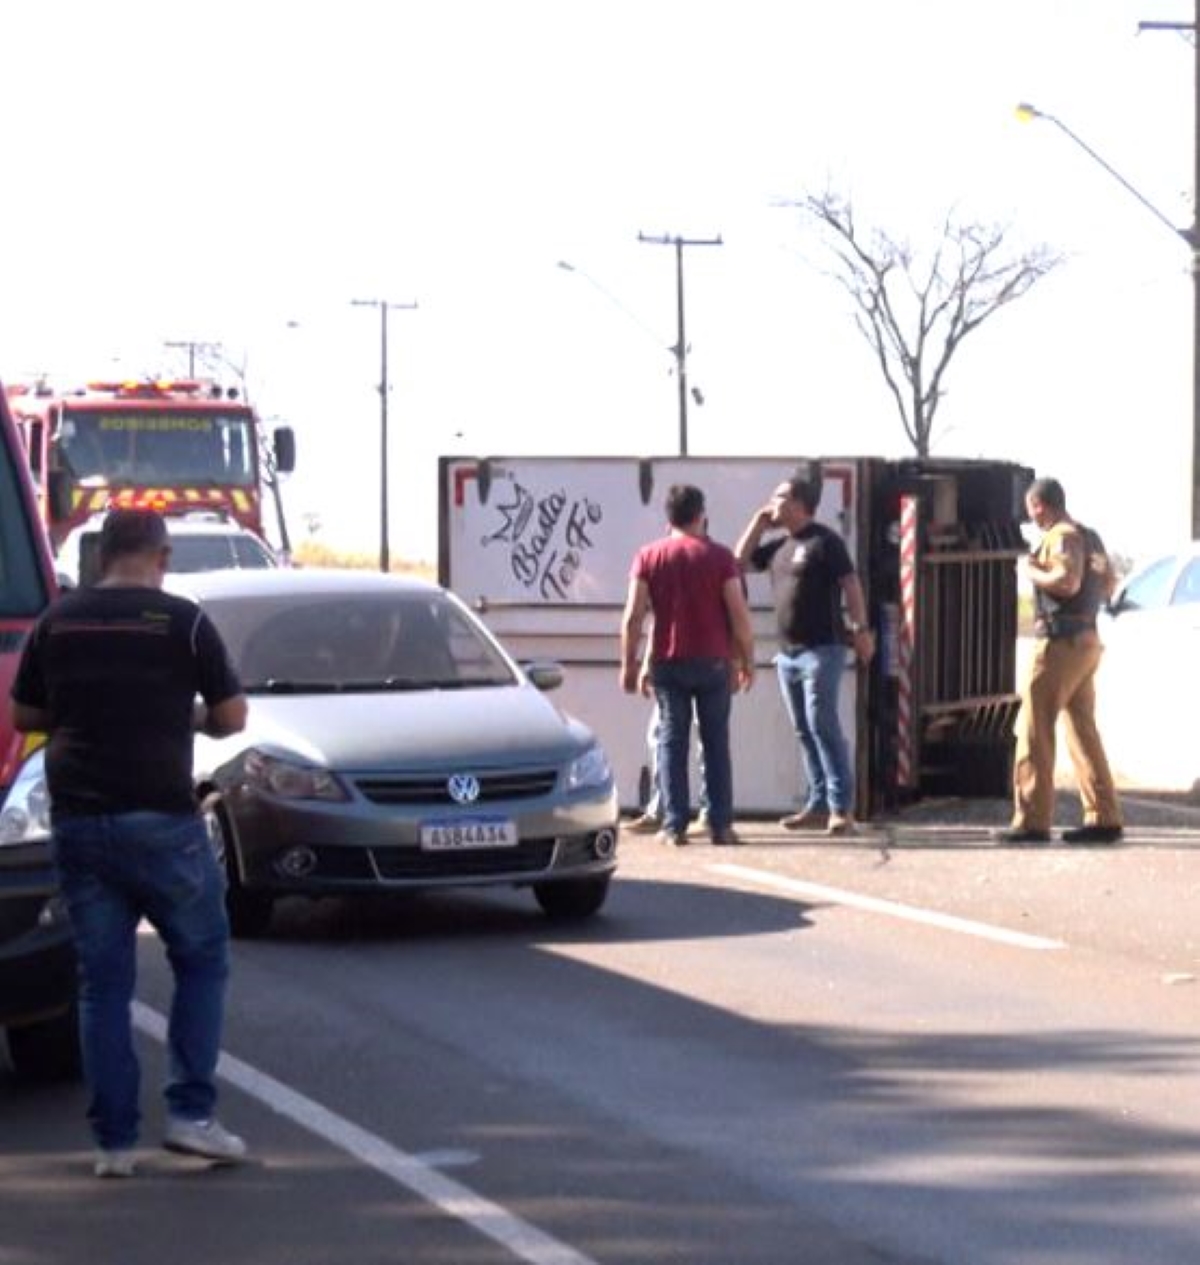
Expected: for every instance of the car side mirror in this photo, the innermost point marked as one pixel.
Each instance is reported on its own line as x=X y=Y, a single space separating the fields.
x=285 y=449
x=544 y=674
x=59 y=489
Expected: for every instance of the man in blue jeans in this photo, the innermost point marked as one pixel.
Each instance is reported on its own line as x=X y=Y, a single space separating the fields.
x=702 y=647
x=818 y=600
x=112 y=674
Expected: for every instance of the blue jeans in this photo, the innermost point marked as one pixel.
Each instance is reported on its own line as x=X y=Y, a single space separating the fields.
x=654 y=805
x=809 y=680
x=679 y=686
x=114 y=871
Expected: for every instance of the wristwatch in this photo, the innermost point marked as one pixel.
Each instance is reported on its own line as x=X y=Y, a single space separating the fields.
x=857 y=628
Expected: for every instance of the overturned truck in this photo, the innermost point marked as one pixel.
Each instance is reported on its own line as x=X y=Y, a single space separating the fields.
x=541 y=547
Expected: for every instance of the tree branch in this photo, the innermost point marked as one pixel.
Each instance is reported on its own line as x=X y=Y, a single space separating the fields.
x=915 y=318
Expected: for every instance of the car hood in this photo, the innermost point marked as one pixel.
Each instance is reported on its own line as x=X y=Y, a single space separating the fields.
x=416 y=729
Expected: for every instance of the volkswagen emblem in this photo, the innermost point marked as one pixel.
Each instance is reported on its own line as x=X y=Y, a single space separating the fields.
x=463 y=788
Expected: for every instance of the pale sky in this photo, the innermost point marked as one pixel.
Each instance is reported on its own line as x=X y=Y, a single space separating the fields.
x=238 y=173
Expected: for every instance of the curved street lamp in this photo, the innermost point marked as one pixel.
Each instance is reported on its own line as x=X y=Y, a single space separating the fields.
x=1191 y=236
x=1027 y=112
x=677 y=351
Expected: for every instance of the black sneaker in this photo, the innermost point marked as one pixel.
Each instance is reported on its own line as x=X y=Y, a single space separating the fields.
x=1021 y=834
x=1093 y=834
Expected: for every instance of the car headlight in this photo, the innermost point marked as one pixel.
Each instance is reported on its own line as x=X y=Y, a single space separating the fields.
x=590 y=769
x=290 y=780
x=25 y=816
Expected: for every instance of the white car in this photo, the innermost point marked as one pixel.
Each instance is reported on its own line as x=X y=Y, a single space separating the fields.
x=200 y=541
x=1148 y=688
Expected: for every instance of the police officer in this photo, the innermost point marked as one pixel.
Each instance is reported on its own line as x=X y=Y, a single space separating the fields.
x=1071 y=577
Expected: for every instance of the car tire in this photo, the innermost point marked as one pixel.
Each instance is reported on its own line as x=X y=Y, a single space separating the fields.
x=249 y=911
x=572 y=899
x=49 y=1050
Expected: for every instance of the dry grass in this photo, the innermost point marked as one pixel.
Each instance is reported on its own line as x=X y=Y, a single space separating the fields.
x=310 y=553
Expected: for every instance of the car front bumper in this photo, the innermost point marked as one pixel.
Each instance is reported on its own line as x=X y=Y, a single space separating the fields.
x=313 y=848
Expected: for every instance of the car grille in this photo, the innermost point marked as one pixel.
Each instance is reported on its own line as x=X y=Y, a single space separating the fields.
x=409 y=863
x=434 y=789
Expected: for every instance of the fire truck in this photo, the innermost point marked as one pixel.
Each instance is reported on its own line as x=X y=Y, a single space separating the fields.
x=177 y=445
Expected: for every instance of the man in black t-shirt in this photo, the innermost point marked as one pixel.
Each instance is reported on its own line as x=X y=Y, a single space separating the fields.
x=813 y=579
x=112 y=674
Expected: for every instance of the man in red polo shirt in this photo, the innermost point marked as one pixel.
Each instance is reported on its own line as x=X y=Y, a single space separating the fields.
x=702 y=649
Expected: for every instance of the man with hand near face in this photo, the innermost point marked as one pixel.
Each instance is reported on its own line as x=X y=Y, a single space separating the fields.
x=818 y=601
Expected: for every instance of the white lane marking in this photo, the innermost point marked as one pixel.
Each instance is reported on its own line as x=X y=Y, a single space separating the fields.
x=526 y=1242
x=875 y=905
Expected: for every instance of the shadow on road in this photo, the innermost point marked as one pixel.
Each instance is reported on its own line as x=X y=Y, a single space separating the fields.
x=666 y=910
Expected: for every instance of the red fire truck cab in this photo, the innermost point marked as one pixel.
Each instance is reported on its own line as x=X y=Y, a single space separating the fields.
x=175 y=445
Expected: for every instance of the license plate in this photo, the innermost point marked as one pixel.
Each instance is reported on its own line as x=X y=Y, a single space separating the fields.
x=468 y=832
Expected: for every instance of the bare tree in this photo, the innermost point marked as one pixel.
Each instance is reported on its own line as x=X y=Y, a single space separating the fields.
x=913 y=311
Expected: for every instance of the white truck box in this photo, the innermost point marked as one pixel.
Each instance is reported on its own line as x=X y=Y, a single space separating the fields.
x=541 y=547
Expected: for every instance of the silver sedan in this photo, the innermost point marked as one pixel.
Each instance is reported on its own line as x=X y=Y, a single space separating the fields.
x=392 y=744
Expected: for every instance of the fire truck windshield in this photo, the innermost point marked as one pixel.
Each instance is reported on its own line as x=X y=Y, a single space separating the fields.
x=163 y=446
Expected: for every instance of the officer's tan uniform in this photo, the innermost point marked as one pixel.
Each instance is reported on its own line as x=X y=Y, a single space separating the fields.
x=1061 y=680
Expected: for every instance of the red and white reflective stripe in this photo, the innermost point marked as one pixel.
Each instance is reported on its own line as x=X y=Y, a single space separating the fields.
x=906 y=738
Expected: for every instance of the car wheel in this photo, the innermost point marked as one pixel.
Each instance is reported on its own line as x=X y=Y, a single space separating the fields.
x=572 y=898
x=49 y=1050
x=249 y=911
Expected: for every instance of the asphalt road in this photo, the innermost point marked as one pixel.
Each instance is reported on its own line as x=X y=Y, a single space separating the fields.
x=911 y=1046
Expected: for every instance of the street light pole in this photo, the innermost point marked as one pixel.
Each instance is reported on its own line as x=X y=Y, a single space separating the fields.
x=385 y=563
x=1194 y=243
x=1190 y=235
x=680 y=349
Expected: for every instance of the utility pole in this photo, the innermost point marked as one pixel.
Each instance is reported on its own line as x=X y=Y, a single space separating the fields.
x=384 y=307
x=193 y=348
x=680 y=349
x=1192 y=236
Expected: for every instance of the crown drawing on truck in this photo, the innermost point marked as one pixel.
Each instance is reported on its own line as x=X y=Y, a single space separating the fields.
x=515 y=515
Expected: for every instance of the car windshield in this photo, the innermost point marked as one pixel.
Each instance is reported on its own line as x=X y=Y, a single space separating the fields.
x=1187 y=591
x=307 y=644
x=1151 y=587
x=22 y=590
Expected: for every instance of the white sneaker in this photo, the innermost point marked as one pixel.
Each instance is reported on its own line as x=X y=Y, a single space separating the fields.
x=646 y=824
x=208 y=1139
x=116 y=1163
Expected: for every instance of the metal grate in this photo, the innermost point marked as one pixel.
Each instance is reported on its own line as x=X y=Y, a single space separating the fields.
x=433 y=789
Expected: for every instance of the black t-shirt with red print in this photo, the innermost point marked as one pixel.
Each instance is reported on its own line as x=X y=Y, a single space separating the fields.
x=118 y=670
